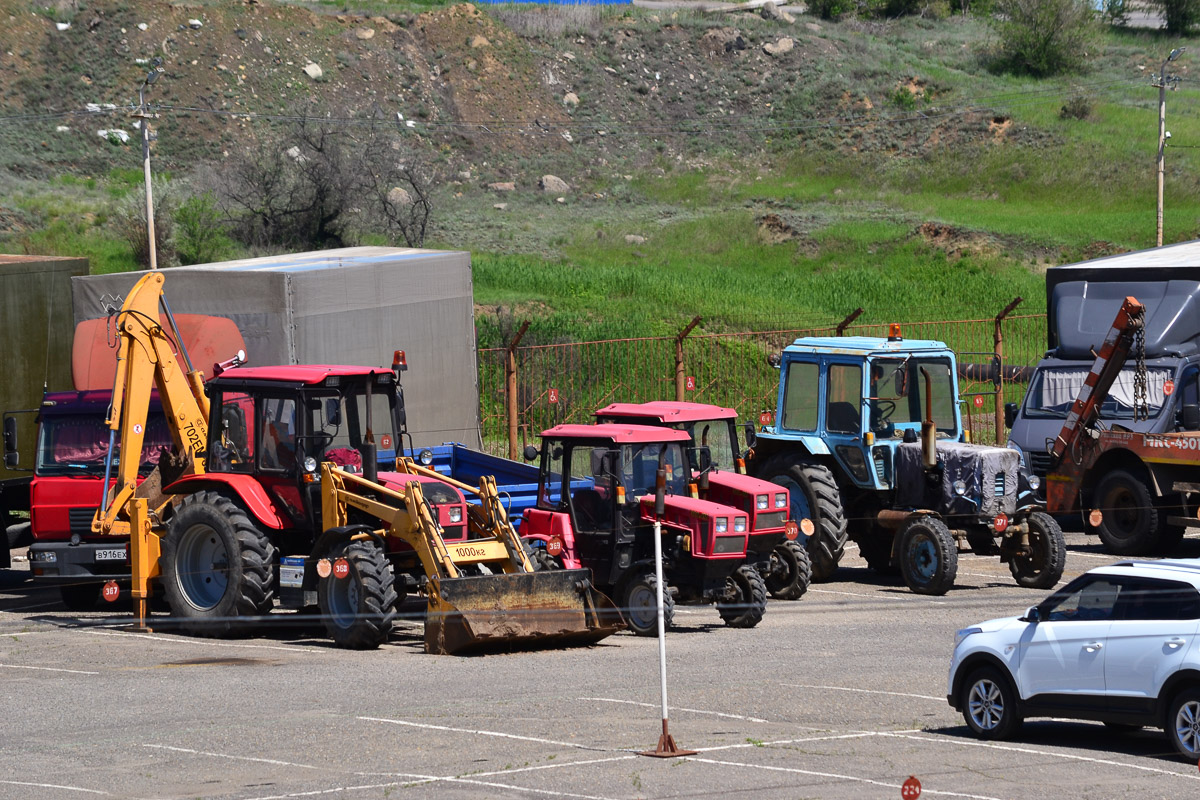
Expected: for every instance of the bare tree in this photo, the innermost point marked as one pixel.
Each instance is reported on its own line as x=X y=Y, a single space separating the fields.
x=400 y=185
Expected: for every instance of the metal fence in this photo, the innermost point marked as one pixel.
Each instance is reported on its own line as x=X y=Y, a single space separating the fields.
x=553 y=384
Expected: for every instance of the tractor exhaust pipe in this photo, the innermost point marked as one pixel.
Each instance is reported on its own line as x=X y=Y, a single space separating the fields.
x=928 y=428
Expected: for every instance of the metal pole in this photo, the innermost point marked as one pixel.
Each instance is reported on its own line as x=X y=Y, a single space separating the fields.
x=662 y=624
x=510 y=389
x=998 y=341
x=1162 y=143
x=680 y=378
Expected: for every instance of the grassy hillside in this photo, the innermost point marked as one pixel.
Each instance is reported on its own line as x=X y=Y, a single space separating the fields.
x=875 y=164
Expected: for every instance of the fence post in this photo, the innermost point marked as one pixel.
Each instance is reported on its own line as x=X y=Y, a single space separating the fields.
x=510 y=389
x=680 y=386
x=998 y=342
x=853 y=315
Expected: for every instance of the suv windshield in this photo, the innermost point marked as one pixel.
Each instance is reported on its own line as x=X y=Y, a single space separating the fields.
x=1053 y=391
x=77 y=443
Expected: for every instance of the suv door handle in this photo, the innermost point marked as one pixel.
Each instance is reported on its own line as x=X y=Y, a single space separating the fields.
x=1176 y=643
x=1092 y=647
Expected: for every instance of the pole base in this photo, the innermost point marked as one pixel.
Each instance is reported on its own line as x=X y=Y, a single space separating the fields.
x=667 y=747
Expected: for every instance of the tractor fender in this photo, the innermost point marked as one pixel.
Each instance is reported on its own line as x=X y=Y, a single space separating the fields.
x=538 y=526
x=249 y=493
x=770 y=445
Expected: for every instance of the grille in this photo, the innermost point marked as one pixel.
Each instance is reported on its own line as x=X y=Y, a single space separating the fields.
x=999 y=484
x=729 y=544
x=454 y=533
x=880 y=469
x=773 y=519
x=1040 y=463
x=80 y=519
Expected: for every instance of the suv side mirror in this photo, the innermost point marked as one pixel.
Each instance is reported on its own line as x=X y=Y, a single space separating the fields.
x=1033 y=614
x=10 y=442
x=1010 y=414
x=531 y=452
x=1189 y=417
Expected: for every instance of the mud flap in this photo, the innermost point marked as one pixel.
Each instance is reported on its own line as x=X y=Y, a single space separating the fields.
x=553 y=608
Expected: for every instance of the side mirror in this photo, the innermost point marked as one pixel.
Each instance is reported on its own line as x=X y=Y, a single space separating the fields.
x=774 y=360
x=1010 y=414
x=10 y=442
x=531 y=452
x=1189 y=417
x=1033 y=614
x=333 y=412
x=751 y=435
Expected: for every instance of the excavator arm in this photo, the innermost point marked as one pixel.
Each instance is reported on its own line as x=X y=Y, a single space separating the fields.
x=146 y=360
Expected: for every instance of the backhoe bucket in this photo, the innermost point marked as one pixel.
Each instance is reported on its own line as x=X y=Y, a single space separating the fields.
x=552 y=608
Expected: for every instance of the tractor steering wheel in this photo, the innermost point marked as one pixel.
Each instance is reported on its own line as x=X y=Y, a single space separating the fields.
x=883 y=410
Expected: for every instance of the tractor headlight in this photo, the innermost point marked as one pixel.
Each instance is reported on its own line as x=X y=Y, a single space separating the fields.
x=762 y=501
x=781 y=500
x=722 y=524
x=455 y=513
x=960 y=488
x=425 y=457
x=310 y=464
x=739 y=524
x=1034 y=482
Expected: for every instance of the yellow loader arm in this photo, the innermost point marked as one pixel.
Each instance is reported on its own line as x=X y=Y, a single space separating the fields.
x=507 y=605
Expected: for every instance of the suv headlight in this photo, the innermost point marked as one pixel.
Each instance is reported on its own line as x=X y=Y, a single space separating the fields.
x=959 y=636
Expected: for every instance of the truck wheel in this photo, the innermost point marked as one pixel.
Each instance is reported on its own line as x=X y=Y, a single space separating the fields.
x=641 y=605
x=989 y=704
x=358 y=610
x=80 y=596
x=1131 y=523
x=745 y=598
x=928 y=556
x=814 y=495
x=790 y=571
x=216 y=565
x=1042 y=568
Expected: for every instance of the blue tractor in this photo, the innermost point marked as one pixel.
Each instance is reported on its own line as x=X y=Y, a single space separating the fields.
x=868 y=437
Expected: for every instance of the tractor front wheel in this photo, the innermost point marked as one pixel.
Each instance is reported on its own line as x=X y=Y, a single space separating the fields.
x=358 y=609
x=928 y=555
x=790 y=571
x=745 y=598
x=640 y=605
x=1047 y=557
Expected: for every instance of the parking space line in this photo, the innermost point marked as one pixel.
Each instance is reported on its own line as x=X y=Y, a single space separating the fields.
x=864 y=691
x=1030 y=751
x=50 y=669
x=485 y=733
x=673 y=708
x=831 y=737
x=837 y=776
x=227 y=755
x=877 y=597
x=207 y=642
x=54 y=786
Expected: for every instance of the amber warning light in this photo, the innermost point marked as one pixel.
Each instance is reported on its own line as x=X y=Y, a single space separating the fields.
x=894 y=332
x=399 y=362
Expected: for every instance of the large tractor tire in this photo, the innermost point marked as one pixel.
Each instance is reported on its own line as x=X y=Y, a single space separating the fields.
x=1132 y=523
x=928 y=555
x=639 y=605
x=359 y=609
x=814 y=495
x=80 y=596
x=876 y=550
x=790 y=572
x=1043 y=567
x=745 y=598
x=542 y=560
x=216 y=565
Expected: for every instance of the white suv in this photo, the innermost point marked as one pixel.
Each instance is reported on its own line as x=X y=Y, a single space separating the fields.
x=1118 y=644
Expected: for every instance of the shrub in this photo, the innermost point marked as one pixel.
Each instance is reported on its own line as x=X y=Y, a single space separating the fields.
x=199 y=233
x=1045 y=37
x=1077 y=107
x=128 y=219
x=1180 y=15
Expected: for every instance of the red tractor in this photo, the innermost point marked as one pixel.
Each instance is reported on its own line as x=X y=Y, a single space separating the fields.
x=595 y=509
x=772 y=548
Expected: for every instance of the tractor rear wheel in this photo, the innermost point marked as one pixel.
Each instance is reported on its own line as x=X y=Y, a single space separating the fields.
x=813 y=494
x=928 y=555
x=217 y=565
x=1131 y=524
x=358 y=609
x=640 y=605
x=790 y=571
x=745 y=598
x=1044 y=565
x=876 y=550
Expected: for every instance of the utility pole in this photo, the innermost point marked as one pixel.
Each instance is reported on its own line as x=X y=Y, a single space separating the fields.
x=144 y=115
x=1161 y=80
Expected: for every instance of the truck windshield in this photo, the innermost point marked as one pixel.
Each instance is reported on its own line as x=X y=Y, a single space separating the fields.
x=72 y=444
x=896 y=395
x=1053 y=391
x=717 y=435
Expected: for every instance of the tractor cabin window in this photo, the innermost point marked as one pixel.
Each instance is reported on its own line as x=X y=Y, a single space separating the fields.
x=800 y=396
x=843 y=410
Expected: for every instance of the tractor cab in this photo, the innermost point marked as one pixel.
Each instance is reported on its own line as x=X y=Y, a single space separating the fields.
x=858 y=398
x=711 y=427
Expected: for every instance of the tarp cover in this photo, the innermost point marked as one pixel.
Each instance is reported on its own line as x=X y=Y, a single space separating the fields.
x=350 y=306
x=975 y=465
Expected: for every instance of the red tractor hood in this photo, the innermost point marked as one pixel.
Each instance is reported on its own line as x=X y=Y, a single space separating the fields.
x=681 y=504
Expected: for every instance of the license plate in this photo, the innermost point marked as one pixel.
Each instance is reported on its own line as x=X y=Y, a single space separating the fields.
x=117 y=554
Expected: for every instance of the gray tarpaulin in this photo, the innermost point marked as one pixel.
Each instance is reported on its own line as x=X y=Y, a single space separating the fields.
x=350 y=306
x=975 y=465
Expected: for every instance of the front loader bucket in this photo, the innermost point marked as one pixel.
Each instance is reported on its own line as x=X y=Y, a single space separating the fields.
x=554 y=608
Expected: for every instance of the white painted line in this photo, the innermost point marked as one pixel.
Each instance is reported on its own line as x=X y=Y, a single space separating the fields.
x=27 y=608
x=673 y=708
x=879 y=597
x=740 y=745
x=965 y=743
x=206 y=642
x=425 y=779
x=50 y=669
x=555 y=766
x=1108 y=556
x=836 y=776
x=481 y=733
x=226 y=755
x=864 y=691
x=54 y=786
